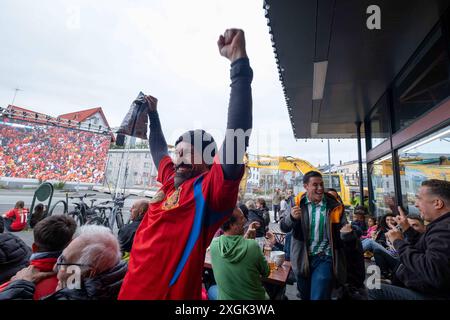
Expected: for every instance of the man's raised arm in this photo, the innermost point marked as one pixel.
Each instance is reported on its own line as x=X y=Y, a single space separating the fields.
x=157 y=142
x=232 y=46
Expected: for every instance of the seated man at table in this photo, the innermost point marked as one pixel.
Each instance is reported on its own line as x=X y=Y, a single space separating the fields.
x=238 y=263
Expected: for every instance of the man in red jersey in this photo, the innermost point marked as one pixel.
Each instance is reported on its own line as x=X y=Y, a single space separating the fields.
x=199 y=191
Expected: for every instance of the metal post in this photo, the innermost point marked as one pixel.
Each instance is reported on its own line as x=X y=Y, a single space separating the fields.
x=124 y=155
x=15 y=94
x=361 y=180
x=329 y=166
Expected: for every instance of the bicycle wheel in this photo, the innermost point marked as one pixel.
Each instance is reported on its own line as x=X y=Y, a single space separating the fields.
x=119 y=219
x=77 y=217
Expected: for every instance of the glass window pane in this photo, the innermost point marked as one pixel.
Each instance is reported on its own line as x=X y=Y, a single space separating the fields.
x=428 y=158
x=424 y=83
x=378 y=125
x=382 y=186
x=335 y=182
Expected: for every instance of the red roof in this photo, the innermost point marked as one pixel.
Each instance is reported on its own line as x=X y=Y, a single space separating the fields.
x=82 y=115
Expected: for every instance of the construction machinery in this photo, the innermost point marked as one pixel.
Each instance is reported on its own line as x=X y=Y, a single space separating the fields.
x=264 y=173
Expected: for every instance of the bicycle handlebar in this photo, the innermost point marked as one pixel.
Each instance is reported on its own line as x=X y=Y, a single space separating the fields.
x=86 y=195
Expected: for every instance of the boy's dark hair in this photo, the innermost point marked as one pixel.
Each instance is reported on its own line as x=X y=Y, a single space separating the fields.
x=39 y=208
x=227 y=224
x=439 y=188
x=415 y=217
x=311 y=174
x=54 y=233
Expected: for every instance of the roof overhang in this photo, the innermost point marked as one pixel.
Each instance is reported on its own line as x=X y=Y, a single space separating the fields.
x=361 y=63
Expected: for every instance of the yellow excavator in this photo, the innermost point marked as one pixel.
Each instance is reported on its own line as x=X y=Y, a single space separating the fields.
x=283 y=168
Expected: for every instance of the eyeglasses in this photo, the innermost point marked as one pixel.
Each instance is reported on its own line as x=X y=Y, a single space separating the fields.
x=61 y=262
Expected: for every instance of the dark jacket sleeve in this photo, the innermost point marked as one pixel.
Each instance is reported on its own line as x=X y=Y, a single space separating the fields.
x=239 y=117
x=412 y=236
x=18 y=290
x=431 y=264
x=288 y=224
x=126 y=236
x=157 y=142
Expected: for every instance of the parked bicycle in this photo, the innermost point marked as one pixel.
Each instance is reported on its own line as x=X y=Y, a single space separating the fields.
x=83 y=213
x=107 y=215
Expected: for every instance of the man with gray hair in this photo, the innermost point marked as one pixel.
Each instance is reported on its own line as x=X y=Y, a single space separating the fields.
x=424 y=269
x=88 y=269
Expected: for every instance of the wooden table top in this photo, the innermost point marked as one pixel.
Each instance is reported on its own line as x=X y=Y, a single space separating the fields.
x=278 y=277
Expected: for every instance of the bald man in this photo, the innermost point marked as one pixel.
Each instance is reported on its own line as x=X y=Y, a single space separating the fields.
x=127 y=232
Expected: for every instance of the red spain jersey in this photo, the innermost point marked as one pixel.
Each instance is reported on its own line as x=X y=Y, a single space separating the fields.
x=166 y=260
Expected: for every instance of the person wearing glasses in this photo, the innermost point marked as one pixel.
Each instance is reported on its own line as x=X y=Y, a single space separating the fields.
x=88 y=269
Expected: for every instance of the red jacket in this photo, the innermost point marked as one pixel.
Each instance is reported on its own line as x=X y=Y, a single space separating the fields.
x=44 y=287
x=20 y=220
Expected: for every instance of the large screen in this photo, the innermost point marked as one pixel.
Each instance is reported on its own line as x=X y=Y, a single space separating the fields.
x=47 y=152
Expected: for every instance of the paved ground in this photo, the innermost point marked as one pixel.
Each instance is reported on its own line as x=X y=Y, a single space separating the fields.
x=8 y=198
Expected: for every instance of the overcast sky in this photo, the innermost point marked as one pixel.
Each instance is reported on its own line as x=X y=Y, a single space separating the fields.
x=73 y=55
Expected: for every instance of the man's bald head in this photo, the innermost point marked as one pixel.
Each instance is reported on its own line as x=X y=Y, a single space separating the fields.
x=138 y=209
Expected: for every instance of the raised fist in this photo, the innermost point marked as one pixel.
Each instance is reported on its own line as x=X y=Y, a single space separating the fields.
x=152 y=102
x=232 y=44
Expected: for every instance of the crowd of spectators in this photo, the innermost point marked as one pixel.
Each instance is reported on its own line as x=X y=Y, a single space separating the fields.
x=52 y=153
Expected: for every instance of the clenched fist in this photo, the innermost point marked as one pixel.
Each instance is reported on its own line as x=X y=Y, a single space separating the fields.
x=232 y=44
x=152 y=102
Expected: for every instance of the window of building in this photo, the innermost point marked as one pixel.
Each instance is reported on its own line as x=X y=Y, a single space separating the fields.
x=146 y=164
x=335 y=181
x=378 y=124
x=428 y=158
x=424 y=83
x=381 y=173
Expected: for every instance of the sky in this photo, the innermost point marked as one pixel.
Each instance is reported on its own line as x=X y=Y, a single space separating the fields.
x=70 y=55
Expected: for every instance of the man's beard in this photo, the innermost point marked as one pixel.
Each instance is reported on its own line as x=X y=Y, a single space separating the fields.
x=190 y=171
x=181 y=177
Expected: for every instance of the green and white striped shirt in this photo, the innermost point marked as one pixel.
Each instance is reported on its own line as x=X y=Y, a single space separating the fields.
x=317 y=240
